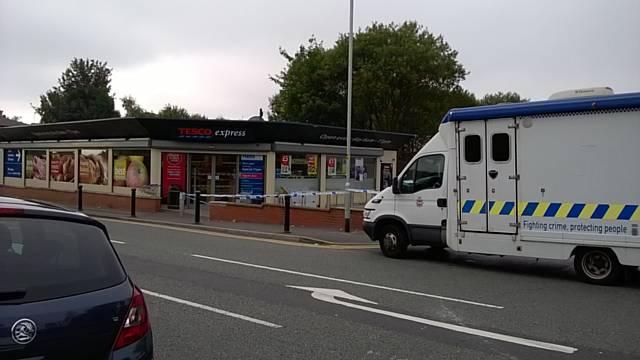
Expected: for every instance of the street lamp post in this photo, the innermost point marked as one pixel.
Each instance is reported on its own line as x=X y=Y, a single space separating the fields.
x=347 y=185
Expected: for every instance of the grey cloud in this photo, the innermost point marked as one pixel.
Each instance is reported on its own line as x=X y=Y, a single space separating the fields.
x=534 y=47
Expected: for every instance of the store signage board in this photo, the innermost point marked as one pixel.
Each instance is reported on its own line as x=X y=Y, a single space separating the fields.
x=13 y=163
x=174 y=172
x=210 y=131
x=251 y=175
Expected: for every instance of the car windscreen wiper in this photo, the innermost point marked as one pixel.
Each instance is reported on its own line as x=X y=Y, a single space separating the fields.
x=12 y=294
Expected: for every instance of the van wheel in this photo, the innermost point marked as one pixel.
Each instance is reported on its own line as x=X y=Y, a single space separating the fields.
x=393 y=241
x=597 y=266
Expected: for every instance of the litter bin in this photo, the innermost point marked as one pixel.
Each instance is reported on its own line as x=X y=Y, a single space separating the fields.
x=173 y=200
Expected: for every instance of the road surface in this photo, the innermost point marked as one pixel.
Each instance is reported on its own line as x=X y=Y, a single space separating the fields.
x=219 y=296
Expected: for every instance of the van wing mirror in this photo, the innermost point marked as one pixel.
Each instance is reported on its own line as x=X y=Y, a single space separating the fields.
x=394 y=186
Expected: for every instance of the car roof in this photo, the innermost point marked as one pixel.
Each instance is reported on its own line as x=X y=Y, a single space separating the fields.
x=36 y=208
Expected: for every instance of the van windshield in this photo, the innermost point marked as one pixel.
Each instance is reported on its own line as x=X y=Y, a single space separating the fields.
x=43 y=259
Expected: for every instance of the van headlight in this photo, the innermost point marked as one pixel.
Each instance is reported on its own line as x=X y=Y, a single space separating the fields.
x=367 y=213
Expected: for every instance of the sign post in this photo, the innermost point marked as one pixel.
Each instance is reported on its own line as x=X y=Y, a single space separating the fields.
x=347 y=185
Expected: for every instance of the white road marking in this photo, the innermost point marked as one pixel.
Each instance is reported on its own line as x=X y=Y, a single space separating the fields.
x=212 y=309
x=118 y=242
x=350 y=282
x=329 y=295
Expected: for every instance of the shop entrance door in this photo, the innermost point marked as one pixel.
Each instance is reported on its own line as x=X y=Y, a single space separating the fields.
x=201 y=173
x=226 y=168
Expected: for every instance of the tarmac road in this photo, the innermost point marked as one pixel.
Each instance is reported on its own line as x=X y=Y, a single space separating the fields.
x=215 y=296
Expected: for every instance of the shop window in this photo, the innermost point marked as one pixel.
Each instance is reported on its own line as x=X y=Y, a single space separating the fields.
x=35 y=164
x=94 y=166
x=62 y=166
x=363 y=172
x=131 y=168
x=296 y=166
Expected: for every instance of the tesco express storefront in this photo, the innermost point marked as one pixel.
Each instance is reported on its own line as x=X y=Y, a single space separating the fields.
x=222 y=157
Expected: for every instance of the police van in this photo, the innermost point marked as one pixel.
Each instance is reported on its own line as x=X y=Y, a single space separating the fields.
x=548 y=179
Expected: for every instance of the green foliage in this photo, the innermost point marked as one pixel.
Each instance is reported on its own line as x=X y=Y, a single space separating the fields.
x=404 y=80
x=502 y=98
x=83 y=92
x=169 y=111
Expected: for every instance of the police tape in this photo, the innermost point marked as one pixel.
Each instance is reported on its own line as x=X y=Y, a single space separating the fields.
x=295 y=194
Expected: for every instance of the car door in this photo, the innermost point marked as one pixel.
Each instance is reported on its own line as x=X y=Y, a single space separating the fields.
x=421 y=185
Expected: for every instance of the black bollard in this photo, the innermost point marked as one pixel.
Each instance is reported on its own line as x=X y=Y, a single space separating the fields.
x=197 y=219
x=287 y=213
x=133 y=202
x=79 y=197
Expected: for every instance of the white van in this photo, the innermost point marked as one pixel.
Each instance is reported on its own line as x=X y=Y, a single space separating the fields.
x=549 y=179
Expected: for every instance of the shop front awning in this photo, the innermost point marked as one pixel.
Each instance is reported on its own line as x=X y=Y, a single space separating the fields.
x=203 y=131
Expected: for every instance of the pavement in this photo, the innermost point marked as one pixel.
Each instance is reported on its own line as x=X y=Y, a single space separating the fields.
x=225 y=296
x=187 y=218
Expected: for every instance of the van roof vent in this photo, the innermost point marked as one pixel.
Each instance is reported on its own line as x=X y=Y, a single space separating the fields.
x=594 y=91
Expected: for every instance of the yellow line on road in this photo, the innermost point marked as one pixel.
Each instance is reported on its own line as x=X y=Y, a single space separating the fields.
x=241 y=237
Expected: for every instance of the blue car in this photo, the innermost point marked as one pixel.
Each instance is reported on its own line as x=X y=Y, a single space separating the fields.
x=64 y=293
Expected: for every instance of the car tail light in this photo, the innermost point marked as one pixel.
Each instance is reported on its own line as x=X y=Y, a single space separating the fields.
x=11 y=211
x=136 y=324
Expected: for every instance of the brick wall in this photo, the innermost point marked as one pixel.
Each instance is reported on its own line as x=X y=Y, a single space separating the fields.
x=274 y=214
x=89 y=199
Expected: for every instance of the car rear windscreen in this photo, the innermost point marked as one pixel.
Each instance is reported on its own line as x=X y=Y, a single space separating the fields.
x=43 y=259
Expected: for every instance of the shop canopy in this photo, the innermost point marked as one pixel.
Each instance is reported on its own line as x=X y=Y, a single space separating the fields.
x=205 y=131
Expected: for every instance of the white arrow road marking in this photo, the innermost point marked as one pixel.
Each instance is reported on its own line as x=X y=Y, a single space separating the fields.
x=349 y=282
x=330 y=295
x=212 y=309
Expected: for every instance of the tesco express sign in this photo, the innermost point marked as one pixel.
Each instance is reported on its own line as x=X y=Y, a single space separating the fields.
x=192 y=132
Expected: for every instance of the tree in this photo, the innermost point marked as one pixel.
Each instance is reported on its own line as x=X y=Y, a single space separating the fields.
x=83 y=92
x=132 y=109
x=502 y=98
x=404 y=80
x=9 y=121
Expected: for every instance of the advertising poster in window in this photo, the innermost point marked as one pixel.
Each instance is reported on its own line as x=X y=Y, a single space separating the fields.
x=252 y=175
x=174 y=172
x=131 y=168
x=62 y=166
x=13 y=163
x=285 y=165
x=331 y=165
x=36 y=164
x=387 y=175
x=312 y=165
x=94 y=167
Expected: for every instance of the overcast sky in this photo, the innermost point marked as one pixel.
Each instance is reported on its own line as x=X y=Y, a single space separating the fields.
x=215 y=57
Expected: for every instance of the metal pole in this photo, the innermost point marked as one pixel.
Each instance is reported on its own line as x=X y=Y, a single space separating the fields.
x=197 y=210
x=347 y=185
x=79 y=197
x=287 y=213
x=133 y=202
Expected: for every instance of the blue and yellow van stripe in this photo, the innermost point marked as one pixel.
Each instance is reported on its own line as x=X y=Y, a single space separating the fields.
x=554 y=209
